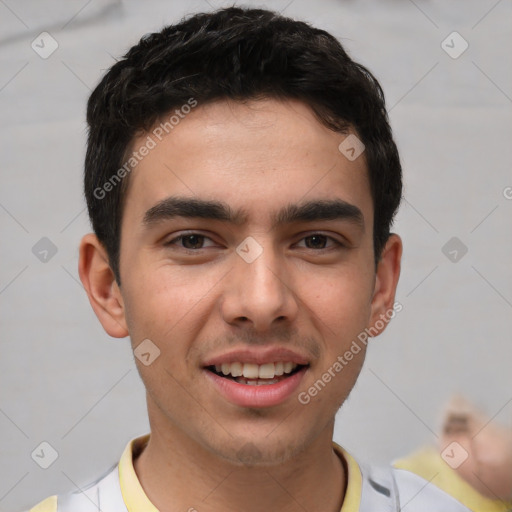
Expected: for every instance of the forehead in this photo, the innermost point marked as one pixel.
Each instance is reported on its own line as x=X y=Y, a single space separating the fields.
x=251 y=155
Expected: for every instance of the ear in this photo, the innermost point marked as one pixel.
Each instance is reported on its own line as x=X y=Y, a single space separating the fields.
x=101 y=287
x=386 y=281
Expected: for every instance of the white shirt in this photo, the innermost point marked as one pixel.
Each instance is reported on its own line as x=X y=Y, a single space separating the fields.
x=369 y=488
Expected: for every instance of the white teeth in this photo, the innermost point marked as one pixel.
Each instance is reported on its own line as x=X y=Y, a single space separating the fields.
x=250 y=371
x=255 y=371
x=266 y=371
x=288 y=367
x=236 y=369
x=254 y=382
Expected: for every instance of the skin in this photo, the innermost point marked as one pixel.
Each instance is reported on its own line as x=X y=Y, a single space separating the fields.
x=488 y=467
x=204 y=451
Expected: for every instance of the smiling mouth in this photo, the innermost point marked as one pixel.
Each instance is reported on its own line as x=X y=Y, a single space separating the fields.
x=254 y=374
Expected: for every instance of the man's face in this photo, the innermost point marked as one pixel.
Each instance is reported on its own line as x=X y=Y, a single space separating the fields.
x=298 y=290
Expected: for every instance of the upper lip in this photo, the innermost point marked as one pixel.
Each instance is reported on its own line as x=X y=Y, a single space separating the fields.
x=261 y=356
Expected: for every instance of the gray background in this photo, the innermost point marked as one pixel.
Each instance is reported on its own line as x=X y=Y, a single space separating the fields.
x=64 y=381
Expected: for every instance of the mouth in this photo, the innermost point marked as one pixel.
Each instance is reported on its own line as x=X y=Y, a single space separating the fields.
x=252 y=374
x=250 y=385
x=262 y=378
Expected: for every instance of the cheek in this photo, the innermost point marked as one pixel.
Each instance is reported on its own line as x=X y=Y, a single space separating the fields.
x=168 y=306
x=162 y=296
x=342 y=301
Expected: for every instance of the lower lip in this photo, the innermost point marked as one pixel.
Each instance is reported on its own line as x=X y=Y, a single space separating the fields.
x=266 y=395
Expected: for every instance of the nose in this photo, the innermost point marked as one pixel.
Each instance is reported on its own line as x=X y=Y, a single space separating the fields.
x=260 y=293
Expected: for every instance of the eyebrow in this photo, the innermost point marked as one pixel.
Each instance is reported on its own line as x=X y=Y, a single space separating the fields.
x=310 y=211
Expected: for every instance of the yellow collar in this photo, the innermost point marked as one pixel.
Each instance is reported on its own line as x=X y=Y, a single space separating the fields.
x=136 y=500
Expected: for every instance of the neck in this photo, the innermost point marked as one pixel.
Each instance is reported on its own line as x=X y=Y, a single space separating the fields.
x=176 y=473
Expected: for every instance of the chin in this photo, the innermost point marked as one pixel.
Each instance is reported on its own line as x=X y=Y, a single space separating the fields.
x=259 y=451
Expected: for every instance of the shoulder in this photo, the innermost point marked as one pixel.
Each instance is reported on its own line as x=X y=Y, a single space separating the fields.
x=392 y=489
x=107 y=490
x=104 y=490
x=422 y=495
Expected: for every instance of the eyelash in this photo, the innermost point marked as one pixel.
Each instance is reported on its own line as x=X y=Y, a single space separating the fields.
x=183 y=236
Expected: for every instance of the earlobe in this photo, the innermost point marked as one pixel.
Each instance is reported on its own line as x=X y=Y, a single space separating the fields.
x=101 y=287
x=386 y=281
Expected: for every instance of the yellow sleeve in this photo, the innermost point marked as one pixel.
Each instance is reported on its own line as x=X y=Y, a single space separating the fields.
x=47 y=505
x=427 y=463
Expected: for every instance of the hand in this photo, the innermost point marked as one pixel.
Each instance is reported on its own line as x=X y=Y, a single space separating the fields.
x=488 y=467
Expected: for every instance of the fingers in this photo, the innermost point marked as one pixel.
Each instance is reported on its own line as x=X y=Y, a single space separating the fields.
x=477 y=448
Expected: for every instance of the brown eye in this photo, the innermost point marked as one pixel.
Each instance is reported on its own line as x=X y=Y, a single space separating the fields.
x=192 y=241
x=320 y=242
x=316 y=241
